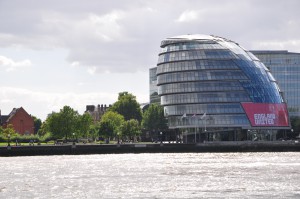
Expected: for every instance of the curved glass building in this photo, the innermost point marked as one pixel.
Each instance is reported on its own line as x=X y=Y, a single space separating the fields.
x=213 y=89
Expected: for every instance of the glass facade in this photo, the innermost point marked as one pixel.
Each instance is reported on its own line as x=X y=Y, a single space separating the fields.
x=154 y=98
x=285 y=67
x=203 y=81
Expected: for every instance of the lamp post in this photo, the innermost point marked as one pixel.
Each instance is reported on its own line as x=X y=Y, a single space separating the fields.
x=8 y=140
x=73 y=138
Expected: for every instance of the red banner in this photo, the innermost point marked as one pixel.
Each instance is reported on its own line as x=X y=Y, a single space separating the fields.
x=261 y=114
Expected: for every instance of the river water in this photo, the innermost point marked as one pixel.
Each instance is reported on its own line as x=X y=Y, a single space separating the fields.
x=171 y=175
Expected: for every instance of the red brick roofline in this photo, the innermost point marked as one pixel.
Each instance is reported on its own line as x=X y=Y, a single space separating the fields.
x=22 y=122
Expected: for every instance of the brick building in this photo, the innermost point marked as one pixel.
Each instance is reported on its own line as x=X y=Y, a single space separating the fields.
x=21 y=121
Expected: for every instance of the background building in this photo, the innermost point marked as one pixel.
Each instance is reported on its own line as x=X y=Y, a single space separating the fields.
x=154 y=98
x=213 y=89
x=96 y=111
x=21 y=121
x=285 y=66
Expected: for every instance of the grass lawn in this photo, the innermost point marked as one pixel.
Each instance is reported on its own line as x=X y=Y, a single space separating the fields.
x=26 y=143
x=4 y=144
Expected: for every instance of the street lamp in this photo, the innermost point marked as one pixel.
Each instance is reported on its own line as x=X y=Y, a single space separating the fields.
x=73 y=138
x=8 y=140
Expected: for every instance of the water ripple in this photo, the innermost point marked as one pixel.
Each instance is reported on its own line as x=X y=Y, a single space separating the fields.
x=191 y=175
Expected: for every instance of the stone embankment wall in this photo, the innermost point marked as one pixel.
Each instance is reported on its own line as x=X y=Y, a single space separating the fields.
x=217 y=147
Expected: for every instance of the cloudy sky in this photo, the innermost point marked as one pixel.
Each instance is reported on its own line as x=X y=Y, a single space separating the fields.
x=79 y=52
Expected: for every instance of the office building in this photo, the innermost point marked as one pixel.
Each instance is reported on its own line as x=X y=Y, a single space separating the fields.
x=285 y=66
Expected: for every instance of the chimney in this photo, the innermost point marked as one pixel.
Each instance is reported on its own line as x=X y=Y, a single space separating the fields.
x=90 y=108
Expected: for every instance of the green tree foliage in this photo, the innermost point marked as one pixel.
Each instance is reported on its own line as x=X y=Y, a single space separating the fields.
x=37 y=124
x=8 y=131
x=127 y=106
x=64 y=123
x=44 y=129
x=68 y=119
x=106 y=129
x=93 y=131
x=130 y=129
x=53 y=125
x=153 y=118
x=116 y=120
x=83 y=125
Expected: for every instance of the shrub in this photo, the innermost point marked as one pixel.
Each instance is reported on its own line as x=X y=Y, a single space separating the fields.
x=47 y=137
x=25 y=138
x=2 y=138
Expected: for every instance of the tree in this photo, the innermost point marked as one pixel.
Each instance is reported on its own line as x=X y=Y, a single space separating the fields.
x=116 y=120
x=37 y=124
x=9 y=130
x=68 y=119
x=62 y=124
x=135 y=127
x=131 y=129
x=93 y=131
x=53 y=125
x=127 y=106
x=153 y=118
x=45 y=127
x=1 y=134
x=83 y=125
x=105 y=129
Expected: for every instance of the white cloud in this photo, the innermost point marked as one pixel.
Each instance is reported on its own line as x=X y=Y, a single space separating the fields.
x=11 y=65
x=188 y=16
x=75 y=63
x=40 y=104
x=110 y=38
x=106 y=27
x=92 y=70
x=123 y=36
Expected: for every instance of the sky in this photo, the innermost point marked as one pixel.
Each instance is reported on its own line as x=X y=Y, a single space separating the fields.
x=78 y=52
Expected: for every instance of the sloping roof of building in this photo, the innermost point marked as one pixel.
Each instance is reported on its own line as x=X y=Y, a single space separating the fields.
x=12 y=113
x=7 y=118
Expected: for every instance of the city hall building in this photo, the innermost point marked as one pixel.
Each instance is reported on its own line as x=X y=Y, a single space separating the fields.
x=212 y=89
